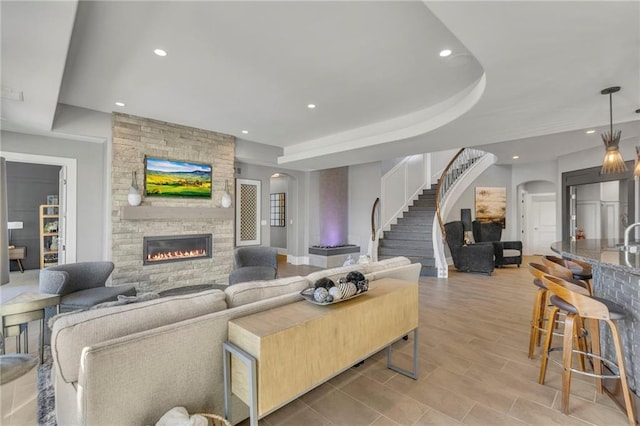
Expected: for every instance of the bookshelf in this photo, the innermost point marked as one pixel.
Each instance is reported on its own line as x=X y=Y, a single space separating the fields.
x=48 y=235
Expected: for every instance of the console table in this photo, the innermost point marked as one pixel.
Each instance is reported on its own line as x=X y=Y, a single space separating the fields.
x=274 y=356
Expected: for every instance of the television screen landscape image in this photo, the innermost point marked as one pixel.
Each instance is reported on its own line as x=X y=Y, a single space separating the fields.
x=169 y=178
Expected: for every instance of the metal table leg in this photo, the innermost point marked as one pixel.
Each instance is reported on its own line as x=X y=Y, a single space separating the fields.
x=412 y=374
x=231 y=349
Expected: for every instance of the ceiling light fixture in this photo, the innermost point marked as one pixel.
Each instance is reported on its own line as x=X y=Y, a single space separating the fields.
x=590 y=132
x=515 y=157
x=445 y=52
x=160 y=52
x=613 y=162
x=636 y=171
x=245 y=132
x=120 y=104
x=311 y=106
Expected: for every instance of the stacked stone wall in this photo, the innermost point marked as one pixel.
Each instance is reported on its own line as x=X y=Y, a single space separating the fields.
x=137 y=137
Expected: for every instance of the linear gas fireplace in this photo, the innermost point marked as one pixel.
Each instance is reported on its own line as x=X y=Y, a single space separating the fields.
x=175 y=248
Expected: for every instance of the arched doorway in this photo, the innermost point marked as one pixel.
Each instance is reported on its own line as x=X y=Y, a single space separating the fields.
x=279 y=211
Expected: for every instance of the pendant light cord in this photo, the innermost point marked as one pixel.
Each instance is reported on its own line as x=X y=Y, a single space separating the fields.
x=611 y=114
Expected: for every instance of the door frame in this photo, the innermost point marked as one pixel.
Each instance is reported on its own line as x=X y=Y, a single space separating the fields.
x=70 y=164
x=528 y=207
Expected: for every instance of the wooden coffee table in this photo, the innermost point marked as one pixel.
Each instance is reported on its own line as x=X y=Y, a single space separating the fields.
x=282 y=353
x=21 y=310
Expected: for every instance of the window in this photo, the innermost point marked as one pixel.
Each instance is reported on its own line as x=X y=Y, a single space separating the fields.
x=277 y=209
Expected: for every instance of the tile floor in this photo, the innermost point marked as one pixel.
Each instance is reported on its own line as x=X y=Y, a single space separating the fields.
x=474 y=368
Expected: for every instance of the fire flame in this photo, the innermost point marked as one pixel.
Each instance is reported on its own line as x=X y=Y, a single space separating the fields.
x=175 y=255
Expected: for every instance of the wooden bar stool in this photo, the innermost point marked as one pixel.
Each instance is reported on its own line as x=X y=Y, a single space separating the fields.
x=541 y=301
x=580 y=270
x=579 y=305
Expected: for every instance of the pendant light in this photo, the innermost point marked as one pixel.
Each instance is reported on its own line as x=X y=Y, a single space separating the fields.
x=613 y=162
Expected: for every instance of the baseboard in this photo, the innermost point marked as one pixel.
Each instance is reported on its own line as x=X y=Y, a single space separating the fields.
x=297 y=260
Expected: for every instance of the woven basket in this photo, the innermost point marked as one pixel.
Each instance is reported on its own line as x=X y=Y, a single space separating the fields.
x=215 y=419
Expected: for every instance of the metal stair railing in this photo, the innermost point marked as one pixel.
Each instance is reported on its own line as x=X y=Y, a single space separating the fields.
x=459 y=164
x=463 y=168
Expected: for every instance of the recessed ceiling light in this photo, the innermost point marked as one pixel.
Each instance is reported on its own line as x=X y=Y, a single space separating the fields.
x=245 y=131
x=515 y=157
x=160 y=52
x=589 y=132
x=311 y=106
x=445 y=52
x=120 y=103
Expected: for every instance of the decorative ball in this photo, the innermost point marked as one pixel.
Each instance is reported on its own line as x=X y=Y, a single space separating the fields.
x=355 y=276
x=336 y=293
x=362 y=286
x=324 y=283
x=320 y=294
x=347 y=289
x=328 y=299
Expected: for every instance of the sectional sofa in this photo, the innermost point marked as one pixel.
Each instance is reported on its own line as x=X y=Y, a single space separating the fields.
x=130 y=364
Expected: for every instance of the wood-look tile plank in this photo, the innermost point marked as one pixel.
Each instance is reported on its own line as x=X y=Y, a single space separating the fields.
x=481 y=415
x=390 y=403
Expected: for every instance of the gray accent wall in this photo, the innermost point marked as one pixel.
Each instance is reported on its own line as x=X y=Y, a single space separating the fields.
x=28 y=187
x=91 y=220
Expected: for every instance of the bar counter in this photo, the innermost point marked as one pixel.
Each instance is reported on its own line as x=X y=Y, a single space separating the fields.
x=616 y=276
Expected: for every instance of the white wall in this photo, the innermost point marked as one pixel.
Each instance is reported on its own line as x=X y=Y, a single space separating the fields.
x=91 y=220
x=494 y=176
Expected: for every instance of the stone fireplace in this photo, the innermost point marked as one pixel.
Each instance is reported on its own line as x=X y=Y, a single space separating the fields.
x=175 y=248
x=174 y=218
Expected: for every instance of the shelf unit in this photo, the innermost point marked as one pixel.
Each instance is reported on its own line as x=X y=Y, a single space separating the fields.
x=48 y=235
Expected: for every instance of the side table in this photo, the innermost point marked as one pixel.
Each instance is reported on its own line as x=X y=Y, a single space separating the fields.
x=17 y=254
x=22 y=309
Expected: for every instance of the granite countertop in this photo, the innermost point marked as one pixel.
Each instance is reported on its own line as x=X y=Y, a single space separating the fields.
x=606 y=252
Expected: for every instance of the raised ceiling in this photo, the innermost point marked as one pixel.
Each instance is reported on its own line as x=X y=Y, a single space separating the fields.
x=524 y=77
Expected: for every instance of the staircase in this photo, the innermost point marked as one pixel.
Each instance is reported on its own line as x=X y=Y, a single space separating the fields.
x=412 y=235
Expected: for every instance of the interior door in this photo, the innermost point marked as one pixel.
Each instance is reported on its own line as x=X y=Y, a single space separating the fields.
x=247 y=212
x=542 y=223
x=62 y=216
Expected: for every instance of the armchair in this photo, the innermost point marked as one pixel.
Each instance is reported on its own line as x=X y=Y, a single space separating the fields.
x=254 y=263
x=506 y=252
x=468 y=258
x=80 y=286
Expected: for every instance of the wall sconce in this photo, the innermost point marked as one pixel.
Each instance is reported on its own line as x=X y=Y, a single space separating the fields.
x=636 y=171
x=613 y=162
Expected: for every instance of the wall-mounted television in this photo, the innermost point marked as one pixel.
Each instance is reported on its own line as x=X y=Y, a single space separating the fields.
x=171 y=178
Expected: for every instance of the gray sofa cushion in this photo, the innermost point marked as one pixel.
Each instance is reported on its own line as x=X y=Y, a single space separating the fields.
x=84 y=299
x=254 y=291
x=74 y=331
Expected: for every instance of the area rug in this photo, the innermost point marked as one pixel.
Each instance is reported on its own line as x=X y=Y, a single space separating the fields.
x=46 y=397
